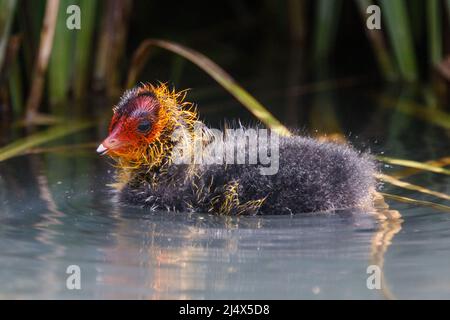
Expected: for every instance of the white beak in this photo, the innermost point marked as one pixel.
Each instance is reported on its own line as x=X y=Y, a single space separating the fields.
x=101 y=149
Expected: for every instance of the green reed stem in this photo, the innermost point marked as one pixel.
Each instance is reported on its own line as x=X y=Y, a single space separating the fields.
x=84 y=44
x=16 y=89
x=325 y=29
x=21 y=145
x=395 y=15
x=60 y=65
x=434 y=23
x=7 y=9
x=378 y=44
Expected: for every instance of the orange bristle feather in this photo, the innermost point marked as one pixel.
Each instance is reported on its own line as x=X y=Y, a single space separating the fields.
x=153 y=148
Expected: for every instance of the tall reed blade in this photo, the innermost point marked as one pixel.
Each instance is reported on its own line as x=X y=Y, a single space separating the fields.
x=395 y=15
x=7 y=9
x=30 y=21
x=111 y=45
x=378 y=43
x=41 y=63
x=325 y=29
x=16 y=89
x=434 y=22
x=9 y=71
x=61 y=58
x=84 y=42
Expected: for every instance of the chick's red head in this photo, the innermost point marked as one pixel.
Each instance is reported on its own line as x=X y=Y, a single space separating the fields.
x=140 y=119
x=137 y=121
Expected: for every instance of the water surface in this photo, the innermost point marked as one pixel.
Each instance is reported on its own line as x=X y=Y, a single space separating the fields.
x=56 y=210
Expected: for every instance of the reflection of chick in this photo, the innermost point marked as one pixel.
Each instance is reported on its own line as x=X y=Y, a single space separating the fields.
x=312 y=175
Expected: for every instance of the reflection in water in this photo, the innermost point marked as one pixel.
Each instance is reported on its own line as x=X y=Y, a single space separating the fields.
x=380 y=243
x=196 y=256
x=50 y=220
x=390 y=223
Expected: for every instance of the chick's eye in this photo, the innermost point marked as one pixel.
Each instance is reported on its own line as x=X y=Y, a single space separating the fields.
x=144 y=126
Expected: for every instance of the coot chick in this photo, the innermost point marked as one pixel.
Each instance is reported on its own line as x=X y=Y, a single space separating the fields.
x=168 y=160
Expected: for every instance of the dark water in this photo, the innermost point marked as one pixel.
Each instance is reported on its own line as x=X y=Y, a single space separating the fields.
x=56 y=211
